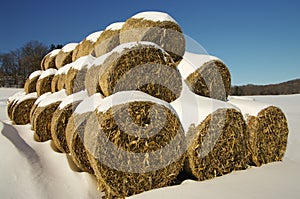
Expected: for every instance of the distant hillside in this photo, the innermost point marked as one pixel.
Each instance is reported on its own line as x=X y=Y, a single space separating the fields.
x=285 y=88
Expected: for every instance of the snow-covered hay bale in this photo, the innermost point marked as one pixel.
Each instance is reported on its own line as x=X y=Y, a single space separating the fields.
x=142 y=66
x=11 y=102
x=135 y=143
x=75 y=78
x=59 y=80
x=34 y=106
x=61 y=117
x=86 y=47
x=75 y=131
x=156 y=27
x=206 y=75
x=30 y=84
x=43 y=113
x=44 y=82
x=21 y=109
x=109 y=39
x=49 y=60
x=65 y=55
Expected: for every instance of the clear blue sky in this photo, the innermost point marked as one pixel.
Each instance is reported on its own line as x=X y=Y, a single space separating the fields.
x=258 y=40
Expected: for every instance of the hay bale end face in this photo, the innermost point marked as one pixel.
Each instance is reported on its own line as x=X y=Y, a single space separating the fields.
x=142 y=66
x=43 y=113
x=156 y=27
x=59 y=80
x=44 y=82
x=86 y=47
x=75 y=131
x=61 y=117
x=49 y=60
x=135 y=143
x=35 y=105
x=21 y=109
x=11 y=102
x=65 y=55
x=30 y=84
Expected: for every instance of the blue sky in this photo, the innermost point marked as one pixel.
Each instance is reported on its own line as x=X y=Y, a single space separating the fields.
x=258 y=40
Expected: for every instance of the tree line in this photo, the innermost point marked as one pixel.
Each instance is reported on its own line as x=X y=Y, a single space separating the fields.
x=17 y=65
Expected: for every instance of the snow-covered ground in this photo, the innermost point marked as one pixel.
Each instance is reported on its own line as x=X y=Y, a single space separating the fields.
x=34 y=170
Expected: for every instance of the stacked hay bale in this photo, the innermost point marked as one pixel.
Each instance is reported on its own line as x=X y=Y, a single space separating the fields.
x=206 y=75
x=217 y=144
x=59 y=80
x=86 y=47
x=142 y=66
x=75 y=77
x=49 y=60
x=135 y=143
x=75 y=131
x=64 y=56
x=61 y=117
x=44 y=82
x=43 y=113
x=156 y=27
x=11 y=102
x=21 y=109
x=30 y=84
x=109 y=39
x=35 y=105
x=268 y=131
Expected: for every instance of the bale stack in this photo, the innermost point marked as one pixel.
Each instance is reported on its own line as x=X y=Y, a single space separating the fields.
x=268 y=131
x=11 y=102
x=61 y=117
x=216 y=135
x=135 y=143
x=75 y=77
x=109 y=39
x=156 y=27
x=30 y=84
x=86 y=47
x=75 y=131
x=49 y=60
x=44 y=82
x=65 y=55
x=42 y=116
x=59 y=80
x=142 y=66
x=206 y=75
x=21 y=109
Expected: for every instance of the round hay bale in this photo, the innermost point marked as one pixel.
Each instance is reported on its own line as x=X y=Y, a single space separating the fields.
x=75 y=77
x=49 y=60
x=59 y=80
x=86 y=47
x=61 y=117
x=75 y=131
x=44 y=82
x=21 y=110
x=109 y=39
x=11 y=102
x=65 y=55
x=43 y=113
x=30 y=83
x=135 y=143
x=142 y=66
x=156 y=27
x=34 y=106
x=206 y=75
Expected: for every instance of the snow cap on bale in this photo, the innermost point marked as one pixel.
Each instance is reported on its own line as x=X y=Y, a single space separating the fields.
x=22 y=107
x=49 y=60
x=42 y=116
x=75 y=131
x=61 y=117
x=11 y=102
x=75 y=77
x=86 y=47
x=65 y=55
x=59 y=80
x=206 y=75
x=156 y=27
x=30 y=84
x=142 y=66
x=109 y=39
x=135 y=143
x=268 y=131
x=44 y=82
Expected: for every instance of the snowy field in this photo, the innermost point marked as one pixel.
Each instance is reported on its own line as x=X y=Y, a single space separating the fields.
x=34 y=170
